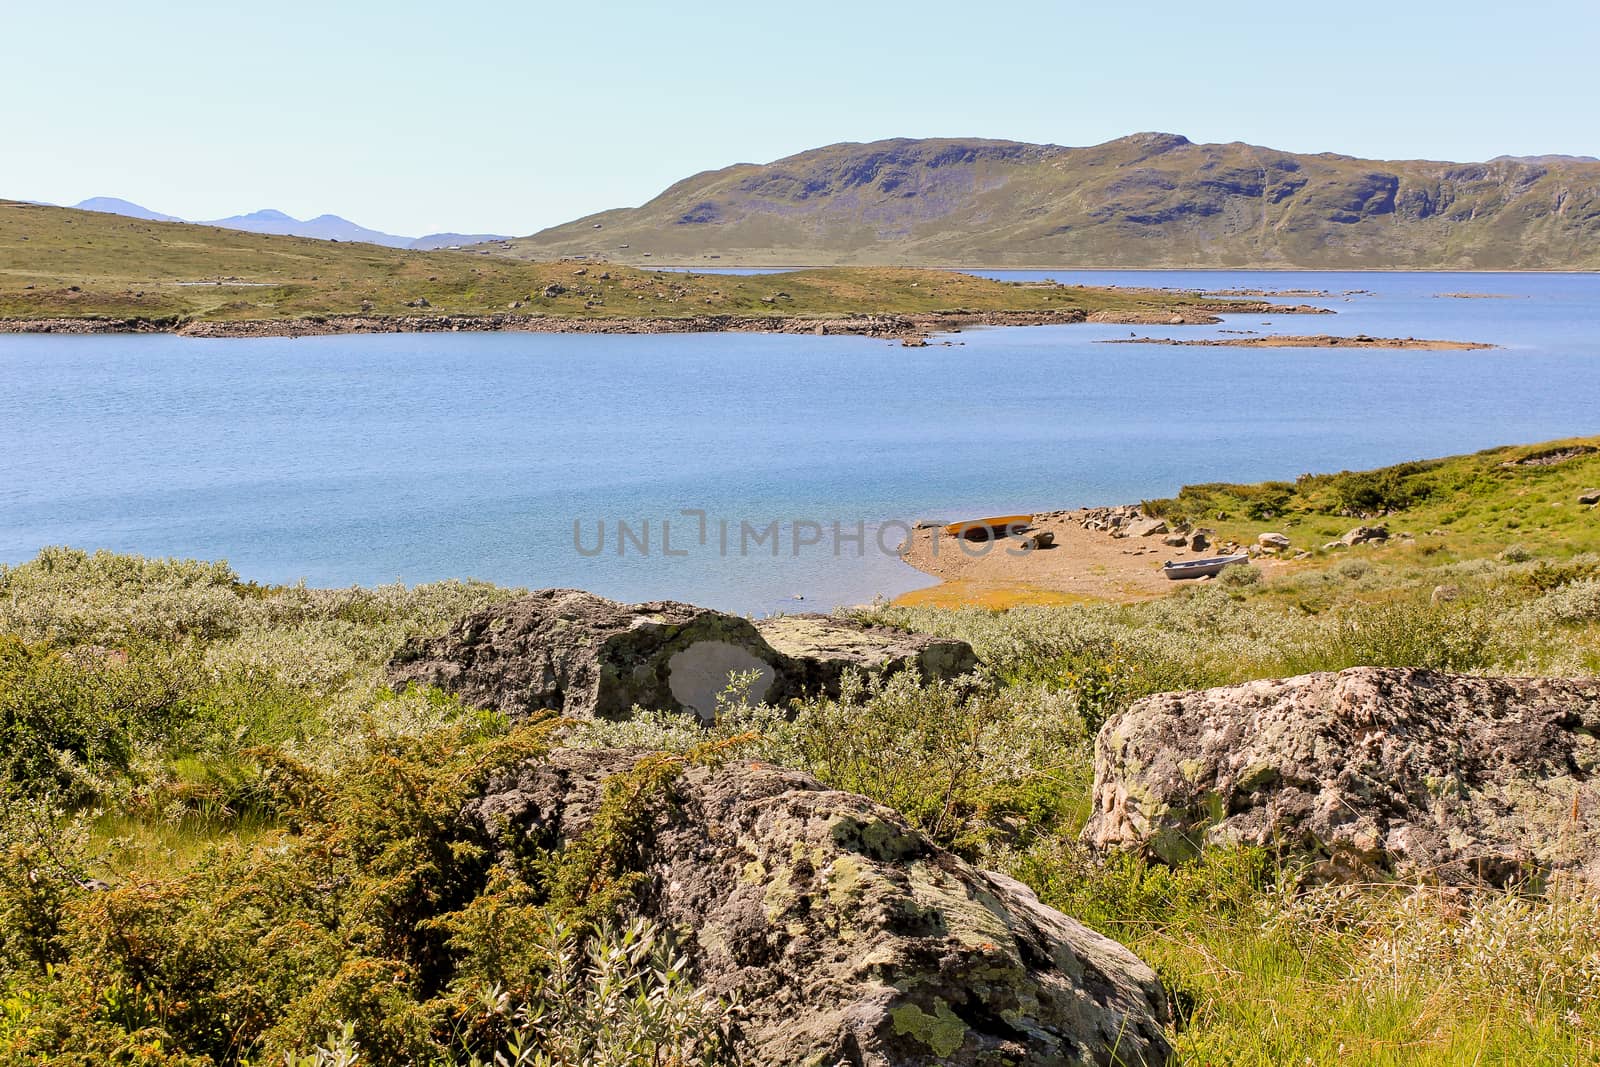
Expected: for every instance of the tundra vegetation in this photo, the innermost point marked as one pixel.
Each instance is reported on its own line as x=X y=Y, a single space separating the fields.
x=225 y=840
x=62 y=263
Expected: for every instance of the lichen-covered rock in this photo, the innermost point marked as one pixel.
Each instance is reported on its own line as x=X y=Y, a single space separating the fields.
x=1363 y=534
x=819 y=649
x=847 y=937
x=1147 y=527
x=1368 y=771
x=584 y=656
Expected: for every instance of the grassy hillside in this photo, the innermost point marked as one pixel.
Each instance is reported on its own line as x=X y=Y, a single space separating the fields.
x=62 y=262
x=281 y=866
x=1501 y=500
x=1150 y=200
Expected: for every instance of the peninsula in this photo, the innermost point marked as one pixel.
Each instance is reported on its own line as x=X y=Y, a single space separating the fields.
x=70 y=271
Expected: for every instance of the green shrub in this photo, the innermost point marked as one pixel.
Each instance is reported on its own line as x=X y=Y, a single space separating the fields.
x=1401 y=634
x=1547 y=575
x=65 y=718
x=1238 y=575
x=1370 y=493
x=959 y=760
x=1572 y=604
x=297 y=864
x=1353 y=569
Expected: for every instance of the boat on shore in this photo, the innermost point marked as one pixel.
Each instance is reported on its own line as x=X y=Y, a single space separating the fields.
x=1200 y=568
x=989 y=528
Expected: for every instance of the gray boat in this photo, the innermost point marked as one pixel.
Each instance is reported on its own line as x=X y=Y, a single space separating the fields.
x=1200 y=568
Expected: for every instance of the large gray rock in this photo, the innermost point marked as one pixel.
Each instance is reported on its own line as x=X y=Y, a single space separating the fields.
x=847 y=936
x=1365 y=772
x=819 y=649
x=1363 y=534
x=1146 y=527
x=584 y=656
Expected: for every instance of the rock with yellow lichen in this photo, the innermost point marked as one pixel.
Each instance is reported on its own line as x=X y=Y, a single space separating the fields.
x=1365 y=773
x=846 y=936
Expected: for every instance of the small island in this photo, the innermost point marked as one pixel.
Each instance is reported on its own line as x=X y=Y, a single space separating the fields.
x=1318 y=341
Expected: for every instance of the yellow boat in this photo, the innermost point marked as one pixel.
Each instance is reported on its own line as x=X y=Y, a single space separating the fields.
x=993 y=526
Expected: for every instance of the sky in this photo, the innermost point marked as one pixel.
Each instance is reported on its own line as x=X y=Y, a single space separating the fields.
x=507 y=117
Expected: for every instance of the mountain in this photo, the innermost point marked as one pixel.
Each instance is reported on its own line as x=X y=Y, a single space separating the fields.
x=1148 y=200
x=112 y=205
x=451 y=240
x=268 y=220
x=325 y=227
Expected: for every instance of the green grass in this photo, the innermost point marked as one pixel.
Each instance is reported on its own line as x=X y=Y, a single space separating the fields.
x=1460 y=507
x=58 y=262
x=279 y=832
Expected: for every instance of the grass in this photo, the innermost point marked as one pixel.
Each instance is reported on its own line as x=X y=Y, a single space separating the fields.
x=212 y=748
x=59 y=262
x=1460 y=507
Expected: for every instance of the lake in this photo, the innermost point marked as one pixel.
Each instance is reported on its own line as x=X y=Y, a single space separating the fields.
x=413 y=457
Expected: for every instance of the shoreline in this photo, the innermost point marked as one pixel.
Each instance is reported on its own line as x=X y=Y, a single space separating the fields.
x=1079 y=565
x=1317 y=341
x=911 y=328
x=710 y=268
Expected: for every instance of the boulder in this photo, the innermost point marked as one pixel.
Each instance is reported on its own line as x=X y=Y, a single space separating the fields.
x=1146 y=527
x=1368 y=772
x=1362 y=534
x=1589 y=496
x=1444 y=594
x=1176 y=540
x=845 y=935
x=816 y=650
x=1199 y=541
x=1273 y=542
x=584 y=656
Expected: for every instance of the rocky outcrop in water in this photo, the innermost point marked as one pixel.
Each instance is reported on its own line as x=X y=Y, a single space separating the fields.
x=584 y=656
x=1368 y=772
x=847 y=936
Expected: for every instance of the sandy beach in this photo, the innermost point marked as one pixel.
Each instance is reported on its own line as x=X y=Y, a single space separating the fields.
x=1080 y=565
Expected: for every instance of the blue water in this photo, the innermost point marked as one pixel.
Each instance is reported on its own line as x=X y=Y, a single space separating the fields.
x=423 y=456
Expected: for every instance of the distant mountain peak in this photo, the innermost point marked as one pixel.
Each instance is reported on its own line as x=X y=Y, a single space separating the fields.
x=270 y=220
x=1551 y=157
x=115 y=205
x=453 y=240
x=323 y=227
x=1156 y=140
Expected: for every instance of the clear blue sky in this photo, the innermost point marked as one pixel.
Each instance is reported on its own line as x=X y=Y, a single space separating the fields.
x=489 y=116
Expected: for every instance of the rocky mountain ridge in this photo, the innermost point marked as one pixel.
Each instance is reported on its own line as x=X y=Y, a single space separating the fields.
x=1147 y=200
